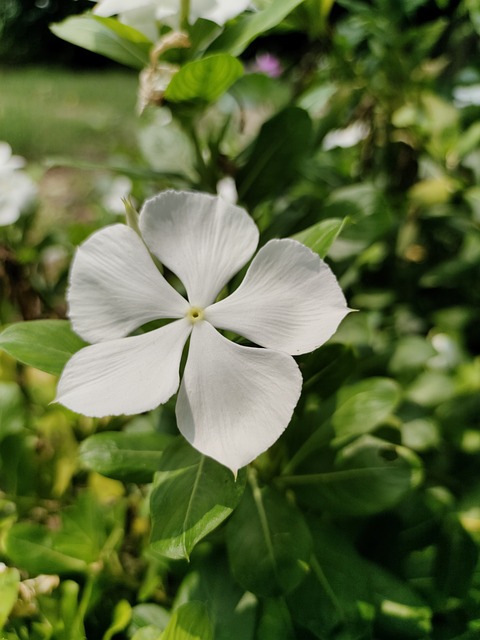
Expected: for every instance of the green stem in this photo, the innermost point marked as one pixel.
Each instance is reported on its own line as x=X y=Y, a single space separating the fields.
x=184 y=14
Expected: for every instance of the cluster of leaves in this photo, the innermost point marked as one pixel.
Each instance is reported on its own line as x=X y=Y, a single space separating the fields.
x=363 y=521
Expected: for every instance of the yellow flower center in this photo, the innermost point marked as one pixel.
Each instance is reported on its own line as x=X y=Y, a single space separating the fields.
x=195 y=314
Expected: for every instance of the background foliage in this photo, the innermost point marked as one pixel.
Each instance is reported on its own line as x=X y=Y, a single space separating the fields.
x=363 y=521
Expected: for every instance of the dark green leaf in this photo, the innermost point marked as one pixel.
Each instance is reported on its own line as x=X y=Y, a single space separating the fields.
x=275 y=156
x=206 y=79
x=275 y=621
x=368 y=476
x=192 y=495
x=456 y=560
x=268 y=543
x=231 y=610
x=131 y=457
x=237 y=37
x=344 y=594
x=106 y=36
x=44 y=344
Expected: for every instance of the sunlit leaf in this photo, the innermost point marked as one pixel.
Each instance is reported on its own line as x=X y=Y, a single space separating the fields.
x=43 y=344
x=106 y=36
x=192 y=495
x=237 y=37
x=206 y=79
x=320 y=237
x=189 y=622
x=132 y=457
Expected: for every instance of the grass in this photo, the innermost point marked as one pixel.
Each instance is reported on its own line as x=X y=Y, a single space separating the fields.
x=89 y=115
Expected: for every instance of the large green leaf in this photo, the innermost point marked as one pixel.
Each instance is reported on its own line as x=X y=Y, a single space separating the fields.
x=106 y=36
x=191 y=496
x=43 y=344
x=131 y=457
x=275 y=156
x=237 y=37
x=189 y=622
x=9 y=581
x=232 y=611
x=344 y=595
x=12 y=409
x=206 y=79
x=268 y=543
x=320 y=237
x=368 y=476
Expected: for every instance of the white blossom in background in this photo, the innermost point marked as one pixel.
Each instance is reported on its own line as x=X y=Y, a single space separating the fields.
x=234 y=401
x=227 y=189
x=115 y=192
x=17 y=189
x=467 y=96
x=144 y=14
x=345 y=138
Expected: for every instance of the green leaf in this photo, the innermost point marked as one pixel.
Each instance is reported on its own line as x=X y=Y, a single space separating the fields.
x=192 y=495
x=206 y=79
x=44 y=344
x=12 y=409
x=275 y=621
x=130 y=457
x=275 y=156
x=106 y=36
x=9 y=581
x=122 y=615
x=456 y=560
x=268 y=543
x=320 y=237
x=237 y=37
x=32 y=547
x=189 y=622
x=344 y=594
x=363 y=406
x=368 y=476
x=231 y=610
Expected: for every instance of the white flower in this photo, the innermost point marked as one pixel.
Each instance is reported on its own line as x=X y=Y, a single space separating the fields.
x=345 y=138
x=17 y=189
x=143 y=14
x=234 y=401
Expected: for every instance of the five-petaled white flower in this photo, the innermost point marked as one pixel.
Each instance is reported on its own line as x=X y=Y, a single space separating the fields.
x=143 y=14
x=17 y=189
x=234 y=400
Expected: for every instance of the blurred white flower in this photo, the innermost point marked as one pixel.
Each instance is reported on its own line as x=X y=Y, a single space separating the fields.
x=467 y=96
x=227 y=189
x=348 y=137
x=114 y=194
x=17 y=189
x=144 y=14
x=234 y=401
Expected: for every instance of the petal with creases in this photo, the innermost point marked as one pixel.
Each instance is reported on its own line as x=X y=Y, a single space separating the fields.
x=124 y=376
x=115 y=286
x=234 y=402
x=202 y=238
x=289 y=300
x=107 y=8
x=218 y=12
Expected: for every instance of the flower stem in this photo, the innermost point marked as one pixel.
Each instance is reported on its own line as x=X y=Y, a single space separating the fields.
x=184 y=14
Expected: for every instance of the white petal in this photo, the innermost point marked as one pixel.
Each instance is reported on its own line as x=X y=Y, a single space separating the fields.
x=218 y=11
x=107 y=8
x=234 y=402
x=115 y=287
x=289 y=300
x=201 y=238
x=125 y=376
